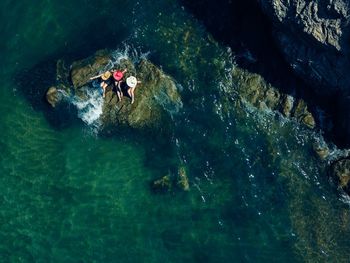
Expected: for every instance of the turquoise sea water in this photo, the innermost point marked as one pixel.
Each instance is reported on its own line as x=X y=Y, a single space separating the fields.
x=69 y=194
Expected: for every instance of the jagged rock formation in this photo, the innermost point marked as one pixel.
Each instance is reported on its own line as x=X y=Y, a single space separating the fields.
x=314 y=38
x=340 y=171
x=253 y=89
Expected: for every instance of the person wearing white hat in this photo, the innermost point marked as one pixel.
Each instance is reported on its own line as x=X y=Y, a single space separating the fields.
x=131 y=83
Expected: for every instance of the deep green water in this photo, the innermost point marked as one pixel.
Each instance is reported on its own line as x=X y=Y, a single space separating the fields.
x=258 y=193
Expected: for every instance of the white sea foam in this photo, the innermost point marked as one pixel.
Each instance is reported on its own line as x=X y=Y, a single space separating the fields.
x=89 y=108
x=89 y=103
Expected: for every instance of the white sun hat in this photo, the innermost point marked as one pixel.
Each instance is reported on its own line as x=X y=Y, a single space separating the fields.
x=131 y=82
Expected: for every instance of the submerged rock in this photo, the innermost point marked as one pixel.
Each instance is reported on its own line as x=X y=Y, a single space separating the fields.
x=182 y=180
x=163 y=184
x=341 y=173
x=175 y=180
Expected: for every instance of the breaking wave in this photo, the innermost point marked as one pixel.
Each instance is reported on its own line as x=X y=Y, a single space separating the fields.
x=89 y=102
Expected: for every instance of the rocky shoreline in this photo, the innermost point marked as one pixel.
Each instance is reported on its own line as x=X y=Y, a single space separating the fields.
x=314 y=38
x=149 y=113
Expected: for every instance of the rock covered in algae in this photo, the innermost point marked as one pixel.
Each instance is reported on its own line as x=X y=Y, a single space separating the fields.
x=177 y=180
x=156 y=97
x=253 y=89
x=163 y=184
x=83 y=70
x=182 y=180
x=341 y=173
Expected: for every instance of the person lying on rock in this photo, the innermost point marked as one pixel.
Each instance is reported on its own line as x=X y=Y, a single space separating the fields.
x=129 y=87
x=106 y=81
x=118 y=76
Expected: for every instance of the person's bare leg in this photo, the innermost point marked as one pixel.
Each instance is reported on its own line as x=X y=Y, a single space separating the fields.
x=104 y=86
x=119 y=91
x=132 y=95
x=119 y=96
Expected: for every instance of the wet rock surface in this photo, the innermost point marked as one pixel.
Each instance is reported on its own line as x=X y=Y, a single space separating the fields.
x=340 y=171
x=52 y=96
x=314 y=39
x=155 y=99
x=253 y=89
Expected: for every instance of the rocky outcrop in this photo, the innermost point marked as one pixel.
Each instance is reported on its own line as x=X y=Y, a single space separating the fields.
x=52 y=96
x=82 y=70
x=340 y=171
x=156 y=98
x=314 y=38
x=253 y=89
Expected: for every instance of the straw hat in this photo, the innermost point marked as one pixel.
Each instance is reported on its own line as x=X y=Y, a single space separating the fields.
x=131 y=81
x=106 y=75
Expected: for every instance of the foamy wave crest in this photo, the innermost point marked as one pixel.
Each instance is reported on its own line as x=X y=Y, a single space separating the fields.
x=127 y=52
x=89 y=103
x=89 y=106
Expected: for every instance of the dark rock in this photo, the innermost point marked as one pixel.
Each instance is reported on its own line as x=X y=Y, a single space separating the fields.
x=341 y=173
x=342 y=118
x=314 y=38
x=62 y=73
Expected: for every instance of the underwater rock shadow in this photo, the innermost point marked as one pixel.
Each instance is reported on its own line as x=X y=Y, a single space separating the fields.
x=33 y=82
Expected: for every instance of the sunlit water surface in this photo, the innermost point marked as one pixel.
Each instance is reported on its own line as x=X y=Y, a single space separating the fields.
x=68 y=194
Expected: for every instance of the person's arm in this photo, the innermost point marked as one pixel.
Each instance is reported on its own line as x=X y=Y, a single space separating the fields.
x=96 y=77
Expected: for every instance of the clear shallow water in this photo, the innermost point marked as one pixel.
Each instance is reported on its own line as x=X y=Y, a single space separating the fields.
x=258 y=194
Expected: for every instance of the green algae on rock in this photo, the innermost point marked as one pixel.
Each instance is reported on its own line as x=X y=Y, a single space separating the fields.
x=156 y=98
x=182 y=180
x=83 y=70
x=173 y=180
x=255 y=90
x=163 y=184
